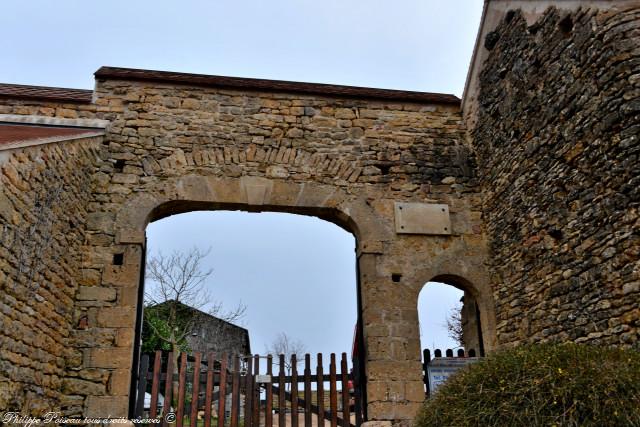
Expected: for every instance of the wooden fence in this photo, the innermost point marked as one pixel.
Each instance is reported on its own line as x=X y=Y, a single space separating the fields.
x=234 y=392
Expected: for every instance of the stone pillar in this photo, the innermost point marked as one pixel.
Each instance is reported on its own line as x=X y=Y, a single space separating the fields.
x=470 y=323
x=120 y=318
x=394 y=374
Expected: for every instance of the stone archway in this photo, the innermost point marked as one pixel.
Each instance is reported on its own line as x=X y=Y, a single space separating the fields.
x=205 y=193
x=391 y=167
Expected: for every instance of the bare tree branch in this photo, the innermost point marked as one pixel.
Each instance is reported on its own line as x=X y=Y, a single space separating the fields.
x=283 y=344
x=454 y=324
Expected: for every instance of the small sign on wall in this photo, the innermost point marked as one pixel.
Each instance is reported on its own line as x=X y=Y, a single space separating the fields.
x=263 y=379
x=422 y=218
x=441 y=368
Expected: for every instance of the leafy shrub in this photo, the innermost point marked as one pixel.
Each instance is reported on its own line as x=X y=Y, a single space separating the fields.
x=541 y=385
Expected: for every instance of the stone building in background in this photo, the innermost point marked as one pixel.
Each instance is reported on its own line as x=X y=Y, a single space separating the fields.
x=206 y=333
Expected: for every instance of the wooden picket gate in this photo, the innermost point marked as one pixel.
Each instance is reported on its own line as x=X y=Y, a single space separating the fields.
x=234 y=392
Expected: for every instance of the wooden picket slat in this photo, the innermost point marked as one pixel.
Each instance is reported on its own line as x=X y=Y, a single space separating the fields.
x=168 y=390
x=320 y=390
x=182 y=382
x=155 y=385
x=346 y=415
x=248 y=394
x=282 y=405
x=222 y=400
x=333 y=393
x=196 y=390
x=268 y=414
x=208 y=390
x=235 y=392
x=294 y=391
x=307 y=390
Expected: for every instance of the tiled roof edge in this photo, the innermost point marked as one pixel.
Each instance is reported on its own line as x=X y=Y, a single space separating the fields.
x=45 y=93
x=274 y=85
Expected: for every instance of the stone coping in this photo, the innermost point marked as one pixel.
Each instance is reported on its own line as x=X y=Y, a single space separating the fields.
x=114 y=73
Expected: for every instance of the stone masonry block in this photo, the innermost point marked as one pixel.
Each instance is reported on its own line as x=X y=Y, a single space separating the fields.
x=391 y=370
x=100 y=221
x=106 y=406
x=128 y=296
x=114 y=357
x=121 y=275
x=116 y=317
x=120 y=382
x=82 y=387
x=124 y=337
x=96 y=293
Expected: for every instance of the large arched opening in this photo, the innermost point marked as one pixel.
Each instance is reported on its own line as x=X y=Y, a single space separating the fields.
x=288 y=271
x=331 y=218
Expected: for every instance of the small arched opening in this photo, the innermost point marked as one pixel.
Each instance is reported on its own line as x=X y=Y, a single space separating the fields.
x=450 y=315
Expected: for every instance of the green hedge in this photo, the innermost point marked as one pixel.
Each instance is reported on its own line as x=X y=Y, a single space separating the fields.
x=541 y=385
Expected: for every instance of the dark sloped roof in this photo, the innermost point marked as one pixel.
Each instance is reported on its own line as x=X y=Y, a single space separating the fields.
x=274 y=85
x=13 y=133
x=45 y=93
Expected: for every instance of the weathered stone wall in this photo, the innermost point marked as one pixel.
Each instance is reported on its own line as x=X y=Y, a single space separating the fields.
x=179 y=147
x=411 y=148
x=43 y=205
x=557 y=140
x=172 y=148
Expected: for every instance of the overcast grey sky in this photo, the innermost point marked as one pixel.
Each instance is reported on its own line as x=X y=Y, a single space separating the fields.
x=272 y=262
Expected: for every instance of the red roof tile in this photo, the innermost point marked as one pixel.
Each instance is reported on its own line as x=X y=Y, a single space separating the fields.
x=10 y=133
x=45 y=93
x=274 y=85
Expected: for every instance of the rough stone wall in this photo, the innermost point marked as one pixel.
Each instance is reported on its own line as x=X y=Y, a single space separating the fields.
x=43 y=205
x=557 y=140
x=410 y=147
x=171 y=148
x=170 y=142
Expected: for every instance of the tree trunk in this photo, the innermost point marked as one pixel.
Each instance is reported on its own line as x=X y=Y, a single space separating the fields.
x=174 y=384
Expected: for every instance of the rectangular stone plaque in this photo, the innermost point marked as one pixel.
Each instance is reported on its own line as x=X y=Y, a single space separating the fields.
x=264 y=379
x=422 y=218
